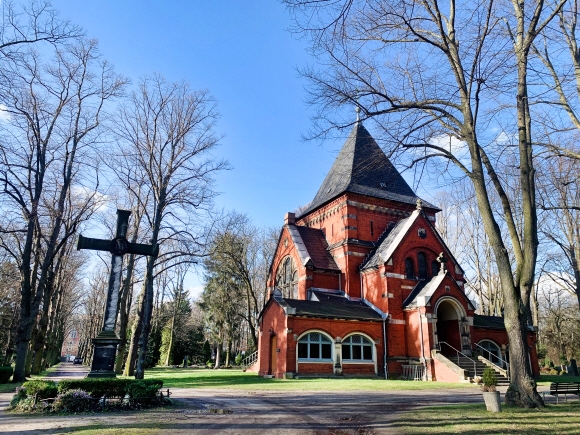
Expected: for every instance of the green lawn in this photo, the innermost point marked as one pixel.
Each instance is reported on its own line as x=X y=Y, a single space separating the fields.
x=236 y=379
x=11 y=386
x=474 y=419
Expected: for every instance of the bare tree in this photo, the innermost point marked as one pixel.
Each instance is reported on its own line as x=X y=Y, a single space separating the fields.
x=560 y=197
x=167 y=133
x=559 y=53
x=32 y=23
x=240 y=250
x=442 y=80
x=55 y=108
x=461 y=226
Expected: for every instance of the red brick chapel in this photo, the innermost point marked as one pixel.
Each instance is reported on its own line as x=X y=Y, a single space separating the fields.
x=362 y=284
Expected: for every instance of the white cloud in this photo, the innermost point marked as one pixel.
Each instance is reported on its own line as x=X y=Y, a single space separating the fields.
x=4 y=115
x=195 y=292
x=504 y=139
x=455 y=146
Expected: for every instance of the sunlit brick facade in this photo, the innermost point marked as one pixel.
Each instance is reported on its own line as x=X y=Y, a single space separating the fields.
x=362 y=283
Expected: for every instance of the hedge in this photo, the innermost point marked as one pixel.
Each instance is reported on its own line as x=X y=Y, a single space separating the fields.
x=112 y=387
x=44 y=389
x=5 y=374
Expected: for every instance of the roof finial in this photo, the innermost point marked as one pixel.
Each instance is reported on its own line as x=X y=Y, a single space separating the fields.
x=357 y=110
x=419 y=204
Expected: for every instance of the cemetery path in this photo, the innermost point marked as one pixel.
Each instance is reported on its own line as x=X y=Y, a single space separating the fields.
x=68 y=370
x=213 y=411
x=222 y=411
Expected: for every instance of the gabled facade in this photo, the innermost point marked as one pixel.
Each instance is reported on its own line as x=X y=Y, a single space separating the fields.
x=362 y=283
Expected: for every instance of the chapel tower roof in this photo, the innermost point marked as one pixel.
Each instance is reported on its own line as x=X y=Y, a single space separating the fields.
x=362 y=167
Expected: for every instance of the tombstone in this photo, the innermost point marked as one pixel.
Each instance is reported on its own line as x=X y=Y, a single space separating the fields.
x=573 y=368
x=105 y=344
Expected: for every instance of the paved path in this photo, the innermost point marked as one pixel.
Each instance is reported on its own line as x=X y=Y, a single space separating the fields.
x=211 y=411
x=220 y=411
x=68 y=370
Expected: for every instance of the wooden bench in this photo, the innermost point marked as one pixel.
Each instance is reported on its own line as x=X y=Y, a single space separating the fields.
x=565 y=388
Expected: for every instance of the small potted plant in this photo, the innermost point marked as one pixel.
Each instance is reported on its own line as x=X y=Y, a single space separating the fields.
x=490 y=395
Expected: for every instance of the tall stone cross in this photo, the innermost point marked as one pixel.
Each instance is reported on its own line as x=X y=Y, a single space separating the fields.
x=105 y=344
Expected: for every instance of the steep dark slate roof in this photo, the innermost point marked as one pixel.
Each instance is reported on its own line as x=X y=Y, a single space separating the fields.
x=488 y=322
x=332 y=306
x=362 y=167
x=317 y=248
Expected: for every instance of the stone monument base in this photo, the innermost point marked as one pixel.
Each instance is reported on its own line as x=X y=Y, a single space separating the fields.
x=105 y=350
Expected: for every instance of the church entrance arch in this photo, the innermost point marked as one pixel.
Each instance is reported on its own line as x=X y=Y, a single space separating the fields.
x=451 y=326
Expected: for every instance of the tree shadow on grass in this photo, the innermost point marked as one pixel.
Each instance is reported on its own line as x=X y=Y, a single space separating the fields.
x=475 y=420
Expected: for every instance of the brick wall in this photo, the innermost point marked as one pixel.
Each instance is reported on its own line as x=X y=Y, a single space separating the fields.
x=273 y=324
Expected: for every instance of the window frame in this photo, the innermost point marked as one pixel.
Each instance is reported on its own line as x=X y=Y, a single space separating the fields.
x=422 y=265
x=409 y=267
x=306 y=339
x=362 y=345
x=287 y=278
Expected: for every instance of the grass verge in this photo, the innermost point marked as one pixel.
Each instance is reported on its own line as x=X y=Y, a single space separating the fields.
x=236 y=379
x=11 y=386
x=474 y=419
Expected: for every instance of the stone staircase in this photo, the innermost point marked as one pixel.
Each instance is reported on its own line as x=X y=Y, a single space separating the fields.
x=476 y=369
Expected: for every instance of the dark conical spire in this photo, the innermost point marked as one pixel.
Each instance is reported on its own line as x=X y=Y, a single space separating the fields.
x=362 y=167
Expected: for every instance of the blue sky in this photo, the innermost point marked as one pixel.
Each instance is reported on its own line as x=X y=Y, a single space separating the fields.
x=242 y=52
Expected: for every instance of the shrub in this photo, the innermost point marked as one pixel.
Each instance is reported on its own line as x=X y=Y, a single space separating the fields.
x=141 y=390
x=489 y=379
x=74 y=401
x=110 y=387
x=20 y=395
x=44 y=389
x=238 y=359
x=25 y=405
x=5 y=374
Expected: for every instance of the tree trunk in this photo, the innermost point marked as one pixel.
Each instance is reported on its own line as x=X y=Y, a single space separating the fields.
x=146 y=311
x=125 y=299
x=135 y=334
x=218 y=354
x=228 y=352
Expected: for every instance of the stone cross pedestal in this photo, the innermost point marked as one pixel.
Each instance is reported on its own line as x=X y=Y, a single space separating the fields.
x=105 y=344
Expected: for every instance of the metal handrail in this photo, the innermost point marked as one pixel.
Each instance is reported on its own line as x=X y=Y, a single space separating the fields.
x=462 y=354
x=497 y=368
x=249 y=360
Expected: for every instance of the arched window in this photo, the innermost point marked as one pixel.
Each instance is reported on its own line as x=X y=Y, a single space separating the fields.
x=409 y=268
x=287 y=279
x=490 y=351
x=357 y=348
x=435 y=267
x=422 y=265
x=315 y=346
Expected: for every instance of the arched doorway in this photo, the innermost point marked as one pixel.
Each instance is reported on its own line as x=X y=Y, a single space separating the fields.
x=448 y=327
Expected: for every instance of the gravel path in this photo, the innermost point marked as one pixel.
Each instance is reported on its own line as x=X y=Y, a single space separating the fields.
x=220 y=411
